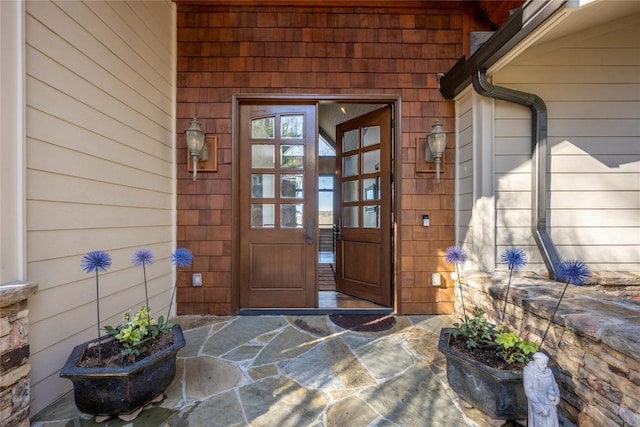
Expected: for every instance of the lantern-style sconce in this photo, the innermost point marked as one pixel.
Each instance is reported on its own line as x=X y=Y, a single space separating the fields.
x=198 y=149
x=436 y=143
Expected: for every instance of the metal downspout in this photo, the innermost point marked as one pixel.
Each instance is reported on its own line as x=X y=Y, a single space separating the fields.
x=539 y=162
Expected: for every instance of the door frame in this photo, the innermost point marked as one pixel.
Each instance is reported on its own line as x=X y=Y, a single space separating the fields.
x=396 y=152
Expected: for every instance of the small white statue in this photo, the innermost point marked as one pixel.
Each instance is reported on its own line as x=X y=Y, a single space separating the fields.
x=542 y=392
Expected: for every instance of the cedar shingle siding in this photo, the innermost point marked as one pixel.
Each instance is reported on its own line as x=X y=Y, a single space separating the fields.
x=316 y=50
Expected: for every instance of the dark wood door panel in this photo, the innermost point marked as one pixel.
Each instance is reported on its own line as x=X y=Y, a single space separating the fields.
x=277 y=266
x=277 y=199
x=366 y=269
x=363 y=206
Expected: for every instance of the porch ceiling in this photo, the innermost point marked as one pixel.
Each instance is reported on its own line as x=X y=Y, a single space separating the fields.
x=331 y=114
x=595 y=14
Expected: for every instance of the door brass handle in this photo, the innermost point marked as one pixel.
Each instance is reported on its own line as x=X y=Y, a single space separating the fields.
x=310 y=231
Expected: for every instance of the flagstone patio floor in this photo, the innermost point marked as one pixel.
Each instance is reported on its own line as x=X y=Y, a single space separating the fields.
x=280 y=371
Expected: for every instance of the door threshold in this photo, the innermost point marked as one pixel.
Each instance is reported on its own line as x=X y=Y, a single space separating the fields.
x=311 y=311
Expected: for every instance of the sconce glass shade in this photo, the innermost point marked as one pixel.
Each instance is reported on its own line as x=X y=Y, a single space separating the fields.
x=437 y=141
x=195 y=143
x=195 y=137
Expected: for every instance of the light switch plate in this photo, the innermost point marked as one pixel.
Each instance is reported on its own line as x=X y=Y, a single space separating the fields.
x=196 y=279
x=436 y=279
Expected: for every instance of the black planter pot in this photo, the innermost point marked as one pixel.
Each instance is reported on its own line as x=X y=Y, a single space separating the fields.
x=499 y=394
x=117 y=391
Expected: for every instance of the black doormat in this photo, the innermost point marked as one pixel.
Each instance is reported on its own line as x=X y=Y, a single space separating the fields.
x=364 y=322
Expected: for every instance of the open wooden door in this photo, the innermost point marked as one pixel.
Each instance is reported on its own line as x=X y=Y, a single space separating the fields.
x=277 y=206
x=363 y=195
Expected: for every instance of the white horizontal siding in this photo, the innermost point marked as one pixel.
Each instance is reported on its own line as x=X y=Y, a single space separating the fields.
x=515 y=145
x=464 y=179
x=594 y=182
x=590 y=82
x=63 y=271
x=50 y=186
x=77 y=242
x=534 y=260
x=583 y=218
x=100 y=169
x=621 y=235
x=93 y=136
x=77 y=24
x=514 y=182
x=66 y=216
x=599 y=110
x=581 y=200
x=512 y=175
x=514 y=218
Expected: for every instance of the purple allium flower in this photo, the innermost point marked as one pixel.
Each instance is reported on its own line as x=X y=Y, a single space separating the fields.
x=95 y=261
x=515 y=258
x=455 y=255
x=142 y=257
x=573 y=272
x=182 y=257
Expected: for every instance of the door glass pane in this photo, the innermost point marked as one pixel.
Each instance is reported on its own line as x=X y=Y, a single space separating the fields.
x=262 y=156
x=371 y=189
x=371 y=161
x=263 y=215
x=325 y=199
x=325 y=182
x=370 y=136
x=263 y=128
x=262 y=185
x=291 y=186
x=324 y=148
x=350 y=165
x=350 y=191
x=325 y=208
x=291 y=215
x=371 y=216
x=292 y=127
x=350 y=216
x=292 y=156
x=350 y=140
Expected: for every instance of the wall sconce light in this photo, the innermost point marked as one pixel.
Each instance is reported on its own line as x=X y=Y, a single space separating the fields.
x=436 y=143
x=198 y=150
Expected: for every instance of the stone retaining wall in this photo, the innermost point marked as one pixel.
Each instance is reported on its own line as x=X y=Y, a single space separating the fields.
x=621 y=283
x=595 y=341
x=14 y=353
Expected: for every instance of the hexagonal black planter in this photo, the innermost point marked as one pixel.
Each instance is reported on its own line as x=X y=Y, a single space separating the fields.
x=499 y=394
x=118 y=391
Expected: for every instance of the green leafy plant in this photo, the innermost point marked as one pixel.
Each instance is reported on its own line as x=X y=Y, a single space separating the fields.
x=513 y=349
x=478 y=333
x=137 y=330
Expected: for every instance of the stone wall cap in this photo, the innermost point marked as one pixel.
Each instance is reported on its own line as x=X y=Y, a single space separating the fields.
x=605 y=318
x=13 y=292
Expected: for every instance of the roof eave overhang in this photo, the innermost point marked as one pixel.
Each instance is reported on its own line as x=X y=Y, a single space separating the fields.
x=517 y=28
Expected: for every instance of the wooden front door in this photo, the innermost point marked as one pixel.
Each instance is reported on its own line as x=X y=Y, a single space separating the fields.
x=364 y=207
x=277 y=206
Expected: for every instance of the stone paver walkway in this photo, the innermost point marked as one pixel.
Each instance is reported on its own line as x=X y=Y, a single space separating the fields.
x=280 y=371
